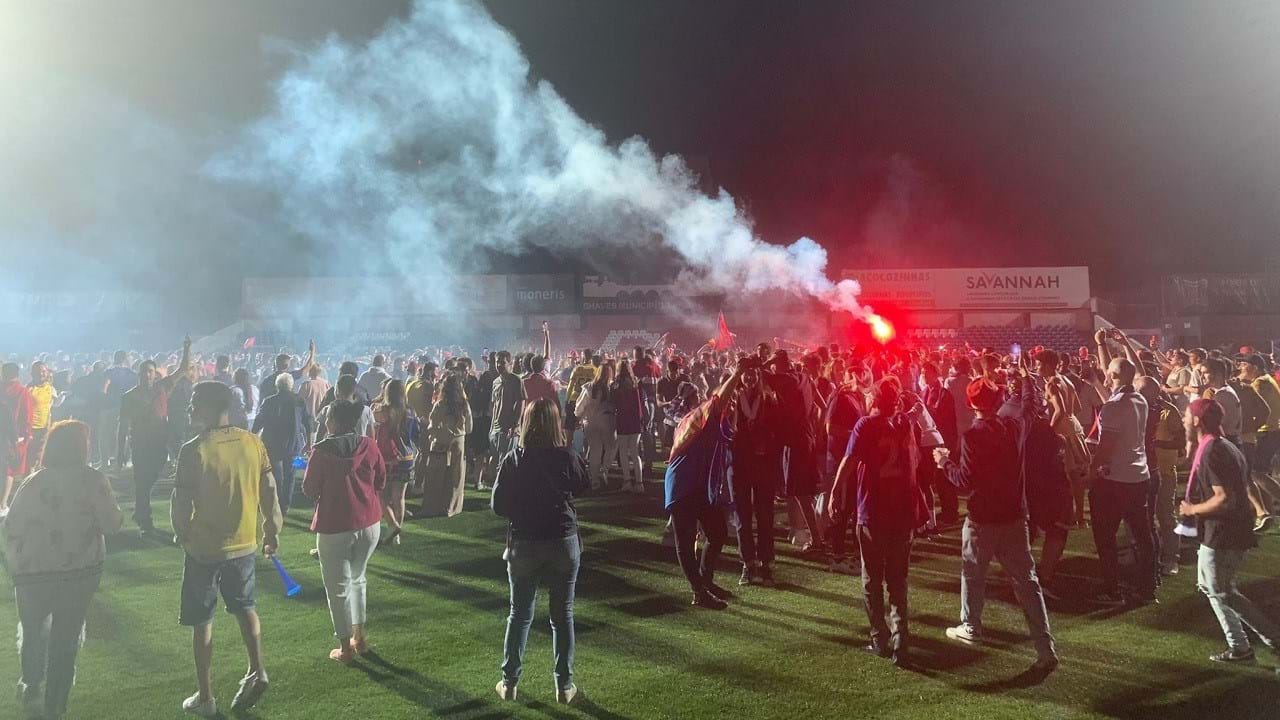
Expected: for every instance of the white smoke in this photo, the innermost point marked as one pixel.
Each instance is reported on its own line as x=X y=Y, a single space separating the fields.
x=434 y=139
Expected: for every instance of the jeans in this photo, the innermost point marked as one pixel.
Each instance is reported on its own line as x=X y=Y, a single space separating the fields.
x=148 y=461
x=1111 y=503
x=282 y=469
x=886 y=556
x=1161 y=501
x=343 y=559
x=50 y=632
x=1008 y=543
x=754 y=490
x=528 y=563
x=629 y=458
x=932 y=480
x=602 y=444
x=1216 y=577
x=687 y=514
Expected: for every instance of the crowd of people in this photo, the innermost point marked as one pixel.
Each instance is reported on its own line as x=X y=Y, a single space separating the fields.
x=867 y=448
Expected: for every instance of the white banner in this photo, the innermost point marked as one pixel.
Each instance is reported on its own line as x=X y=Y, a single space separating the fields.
x=1023 y=288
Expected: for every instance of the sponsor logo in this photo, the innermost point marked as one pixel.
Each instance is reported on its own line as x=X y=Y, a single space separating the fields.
x=540 y=295
x=995 y=281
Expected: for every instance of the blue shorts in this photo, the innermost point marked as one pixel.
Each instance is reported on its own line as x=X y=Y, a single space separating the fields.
x=236 y=580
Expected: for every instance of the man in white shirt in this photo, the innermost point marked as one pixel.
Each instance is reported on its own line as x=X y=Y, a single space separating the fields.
x=373 y=378
x=1121 y=479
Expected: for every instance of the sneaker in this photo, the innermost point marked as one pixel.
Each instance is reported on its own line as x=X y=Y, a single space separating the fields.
x=505 y=691
x=1046 y=665
x=841 y=567
x=718 y=591
x=814 y=549
x=1264 y=523
x=876 y=650
x=965 y=633
x=747 y=577
x=567 y=695
x=1110 y=598
x=1234 y=656
x=206 y=709
x=707 y=600
x=251 y=691
x=1170 y=569
x=766 y=576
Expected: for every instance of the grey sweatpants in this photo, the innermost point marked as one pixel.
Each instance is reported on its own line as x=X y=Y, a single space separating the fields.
x=50 y=632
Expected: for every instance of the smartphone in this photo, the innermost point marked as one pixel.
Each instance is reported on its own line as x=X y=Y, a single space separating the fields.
x=1016 y=351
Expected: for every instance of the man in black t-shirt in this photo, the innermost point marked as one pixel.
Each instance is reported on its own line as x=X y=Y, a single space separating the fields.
x=1217 y=498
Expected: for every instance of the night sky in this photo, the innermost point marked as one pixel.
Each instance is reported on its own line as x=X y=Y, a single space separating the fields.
x=1122 y=135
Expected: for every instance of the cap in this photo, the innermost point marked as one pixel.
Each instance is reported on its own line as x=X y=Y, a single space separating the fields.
x=983 y=395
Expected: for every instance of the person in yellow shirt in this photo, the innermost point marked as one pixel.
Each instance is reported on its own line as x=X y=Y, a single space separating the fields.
x=420 y=392
x=223 y=480
x=44 y=398
x=1253 y=369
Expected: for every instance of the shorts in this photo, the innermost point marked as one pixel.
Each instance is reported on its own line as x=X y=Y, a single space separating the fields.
x=1268 y=446
x=235 y=579
x=13 y=456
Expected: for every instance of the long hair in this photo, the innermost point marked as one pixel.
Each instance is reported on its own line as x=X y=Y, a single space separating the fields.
x=454 y=395
x=540 y=427
x=67 y=445
x=626 y=378
x=604 y=379
x=393 y=402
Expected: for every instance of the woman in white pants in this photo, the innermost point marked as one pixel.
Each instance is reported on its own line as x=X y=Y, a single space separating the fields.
x=345 y=476
x=596 y=410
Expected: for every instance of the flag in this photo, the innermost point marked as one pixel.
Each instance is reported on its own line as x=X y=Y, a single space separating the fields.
x=724 y=338
x=249 y=343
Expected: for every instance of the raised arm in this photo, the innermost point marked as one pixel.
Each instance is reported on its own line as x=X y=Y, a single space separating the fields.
x=546 y=344
x=1104 y=353
x=311 y=358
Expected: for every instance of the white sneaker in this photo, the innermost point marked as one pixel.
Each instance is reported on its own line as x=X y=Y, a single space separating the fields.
x=206 y=709
x=566 y=696
x=965 y=633
x=505 y=691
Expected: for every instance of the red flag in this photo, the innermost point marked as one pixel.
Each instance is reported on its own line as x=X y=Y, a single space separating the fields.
x=248 y=344
x=724 y=338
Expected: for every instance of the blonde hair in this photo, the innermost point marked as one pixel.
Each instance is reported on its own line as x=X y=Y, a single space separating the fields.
x=540 y=426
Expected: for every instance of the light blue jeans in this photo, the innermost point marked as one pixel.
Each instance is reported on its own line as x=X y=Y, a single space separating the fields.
x=1008 y=543
x=528 y=564
x=1216 y=576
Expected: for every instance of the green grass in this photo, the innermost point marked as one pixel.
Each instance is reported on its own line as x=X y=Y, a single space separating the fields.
x=438 y=607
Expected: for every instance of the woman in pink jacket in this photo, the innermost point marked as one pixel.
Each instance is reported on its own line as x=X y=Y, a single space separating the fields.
x=345 y=476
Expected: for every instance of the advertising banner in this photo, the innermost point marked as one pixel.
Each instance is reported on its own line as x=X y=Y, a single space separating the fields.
x=976 y=288
x=556 y=294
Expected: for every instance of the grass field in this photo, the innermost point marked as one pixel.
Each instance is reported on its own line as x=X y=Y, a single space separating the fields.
x=438 y=606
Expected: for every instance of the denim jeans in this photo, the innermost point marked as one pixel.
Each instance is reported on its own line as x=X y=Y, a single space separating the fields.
x=148 y=462
x=754 y=490
x=50 y=632
x=1216 y=577
x=529 y=562
x=886 y=557
x=1008 y=543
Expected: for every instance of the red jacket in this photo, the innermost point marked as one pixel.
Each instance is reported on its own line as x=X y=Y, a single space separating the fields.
x=345 y=476
x=16 y=402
